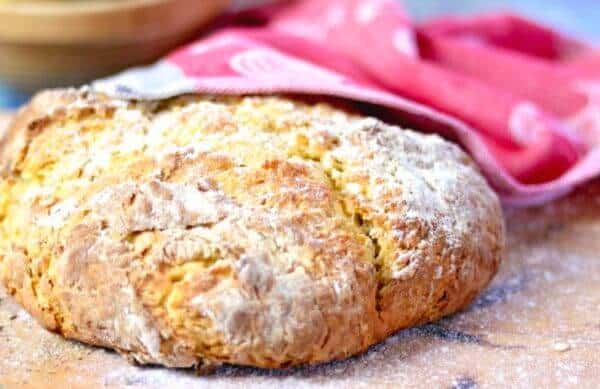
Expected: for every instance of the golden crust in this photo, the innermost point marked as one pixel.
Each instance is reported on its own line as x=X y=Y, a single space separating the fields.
x=254 y=230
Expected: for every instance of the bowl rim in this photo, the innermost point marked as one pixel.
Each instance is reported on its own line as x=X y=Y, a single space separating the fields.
x=61 y=8
x=102 y=22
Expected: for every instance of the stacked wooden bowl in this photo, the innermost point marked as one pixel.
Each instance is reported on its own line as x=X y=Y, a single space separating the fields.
x=46 y=44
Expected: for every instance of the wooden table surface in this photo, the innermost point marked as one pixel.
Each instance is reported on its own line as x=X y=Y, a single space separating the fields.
x=537 y=325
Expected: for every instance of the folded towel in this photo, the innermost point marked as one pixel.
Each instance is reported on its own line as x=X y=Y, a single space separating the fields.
x=521 y=98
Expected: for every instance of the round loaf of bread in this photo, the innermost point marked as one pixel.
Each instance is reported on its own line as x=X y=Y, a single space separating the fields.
x=260 y=231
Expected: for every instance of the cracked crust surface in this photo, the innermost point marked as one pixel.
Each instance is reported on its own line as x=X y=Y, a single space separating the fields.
x=258 y=231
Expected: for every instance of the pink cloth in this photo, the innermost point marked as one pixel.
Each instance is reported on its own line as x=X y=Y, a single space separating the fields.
x=521 y=98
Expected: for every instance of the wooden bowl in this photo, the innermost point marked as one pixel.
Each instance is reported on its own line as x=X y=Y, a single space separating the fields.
x=48 y=44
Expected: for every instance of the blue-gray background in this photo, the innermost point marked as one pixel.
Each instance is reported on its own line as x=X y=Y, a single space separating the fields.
x=580 y=18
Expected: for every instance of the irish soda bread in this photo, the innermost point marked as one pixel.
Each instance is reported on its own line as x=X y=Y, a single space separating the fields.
x=259 y=231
